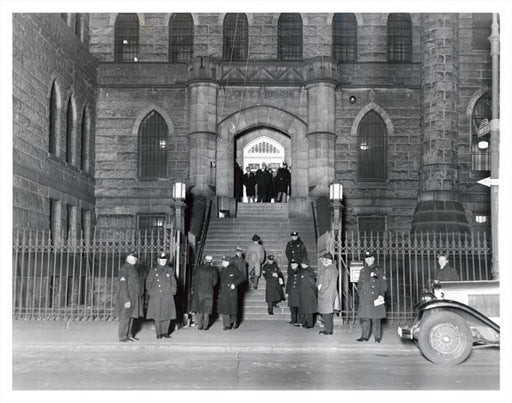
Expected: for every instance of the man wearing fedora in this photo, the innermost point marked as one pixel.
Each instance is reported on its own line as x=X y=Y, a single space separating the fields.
x=372 y=287
x=327 y=290
x=295 y=248
x=161 y=288
x=255 y=258
x=203 y=286
x=129 y=304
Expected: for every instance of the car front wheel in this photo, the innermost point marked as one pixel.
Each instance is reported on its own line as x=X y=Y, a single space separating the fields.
x=445 y=338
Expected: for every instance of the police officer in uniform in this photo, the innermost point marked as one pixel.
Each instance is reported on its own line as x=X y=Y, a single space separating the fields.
x=293 y=291
x=129 y=305
x=203 y=286
x=230 y=279
x=372 y=287
x=295 y=248
x=274 y=281
x=161 y=288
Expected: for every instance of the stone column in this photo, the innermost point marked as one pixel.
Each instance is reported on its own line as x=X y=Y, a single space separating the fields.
x=321 y=86
x=203 y=88
x=439 y=208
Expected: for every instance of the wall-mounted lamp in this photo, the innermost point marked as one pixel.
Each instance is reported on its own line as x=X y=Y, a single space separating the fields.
x=336 y=191
x=483 y=145
x=352 y=99
x=179 y=191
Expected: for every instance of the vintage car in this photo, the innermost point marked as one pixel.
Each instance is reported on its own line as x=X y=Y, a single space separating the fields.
x=453 y=317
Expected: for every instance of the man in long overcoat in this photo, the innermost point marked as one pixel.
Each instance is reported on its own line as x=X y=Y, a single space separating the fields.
x=203 y=287
x=264 y=183
x=249 y=180
x=255 y=258
x=129 y=304
x=274 y=281
x=308 y=295
x=327 y=290
x=238 y=182
x=293 y=291
x=372 y=287
x=282 y=180
x=295 y=248
x=161 y=288
x=230 y=279
x=239 y=261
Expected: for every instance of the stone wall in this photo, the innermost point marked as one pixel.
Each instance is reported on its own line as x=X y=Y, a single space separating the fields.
x=46 y=50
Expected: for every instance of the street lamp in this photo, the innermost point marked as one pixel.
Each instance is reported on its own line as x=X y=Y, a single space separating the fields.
x=336 y=195
x=179 y=190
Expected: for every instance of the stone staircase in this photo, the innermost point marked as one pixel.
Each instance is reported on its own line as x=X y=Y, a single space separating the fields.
x=270 y=221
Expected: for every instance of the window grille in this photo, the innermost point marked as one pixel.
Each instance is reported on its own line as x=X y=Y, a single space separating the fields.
x=152 y=225
x=126 y=38
x=371 y=224
x=481 y=114
x=52 y=120
x=289 y=37
x=69 y=132
x=181 y=37
x=236 y=37
x=481 y=31
x=372 y=139
x=153 y=147
x=263 y=148
x=399 y=38
x=344 y=37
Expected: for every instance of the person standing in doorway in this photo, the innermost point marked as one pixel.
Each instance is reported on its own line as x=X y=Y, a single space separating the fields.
x=293 y=291
x=264 y=183
x=372 y=287
x=129 y=304
x=255 y=258
x=274 y=284
x=161 y=288
x=283 y=179
x=230 y=279
x=249 y=180
x=327 y=290
x=203 y=286
x=295 y=248
x=238 y=182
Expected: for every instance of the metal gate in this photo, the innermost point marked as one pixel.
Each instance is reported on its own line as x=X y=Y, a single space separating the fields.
x=77 y=279
x=409 y=261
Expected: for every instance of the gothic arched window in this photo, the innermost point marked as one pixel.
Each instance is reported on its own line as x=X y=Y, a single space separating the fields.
x=181 y=37
x=372 y=144
x=236 y=37
x=344 y=37
x=152 y=153
x=84 y=141
x=480 y=134
x=53 y=113
x=289 y=37
x=126 y=41
x=70 y=132
x=399 y=38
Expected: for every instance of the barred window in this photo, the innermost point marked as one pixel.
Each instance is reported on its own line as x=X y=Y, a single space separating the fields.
x=289 y=37
x=480 y=134
x=481 y=31
x=153 y=147
x=181 y=37
x=126 y=38
x=344 y=37
x=70 y=144
x=371 y=224
x=372 y=144
x=399 y=38
x=236 y=37
x=52 y=120
x=152 y=224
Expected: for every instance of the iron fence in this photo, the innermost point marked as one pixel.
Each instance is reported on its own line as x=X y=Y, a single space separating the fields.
x=409 y=262
x=77 y=279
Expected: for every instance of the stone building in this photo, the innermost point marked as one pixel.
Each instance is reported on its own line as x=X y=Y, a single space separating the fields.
x=110 y=110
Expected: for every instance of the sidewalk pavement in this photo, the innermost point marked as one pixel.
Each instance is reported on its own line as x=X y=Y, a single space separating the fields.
x=251 y=336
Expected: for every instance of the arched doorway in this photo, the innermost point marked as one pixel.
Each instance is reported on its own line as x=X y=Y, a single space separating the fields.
x=263 y=150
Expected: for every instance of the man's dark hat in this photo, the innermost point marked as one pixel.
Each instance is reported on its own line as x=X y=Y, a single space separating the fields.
x=294 y=233
x=225 y=258
x=327 y=256
x=369 y=253
x=285 y=164
x=270 y=257
x=239 y=249
x=133 y=253
x=293 y=261
x=442 y=253
x=255 y=238
x=162 y=255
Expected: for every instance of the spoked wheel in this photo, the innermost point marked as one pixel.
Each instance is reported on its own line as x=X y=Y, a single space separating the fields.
x=445 y=338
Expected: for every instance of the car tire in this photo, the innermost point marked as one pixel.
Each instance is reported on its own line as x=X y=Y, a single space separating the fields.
x=445 y=338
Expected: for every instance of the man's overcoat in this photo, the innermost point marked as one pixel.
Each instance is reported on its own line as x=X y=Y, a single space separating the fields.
x=295 y=249
x=203 y=286
x=129 y=290
x=369 y=288
x=228 y=298
x=328 y=278
x=273 y=290
x=161 y=288
x=292 y=287
x=308 y=290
